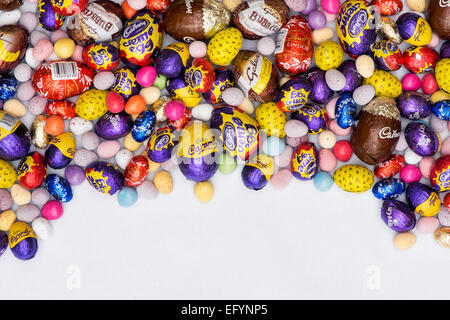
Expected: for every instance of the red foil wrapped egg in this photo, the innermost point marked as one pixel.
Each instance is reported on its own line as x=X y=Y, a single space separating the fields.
x=388 y=7
x=182 y=122
x=200 y=75
x=63 y=108
x=420 y=59
x=101 y=56
x=136 y=171
x=390 y=167
x=440 y=174
x=158 y=5
x=31 y=171
x=69 y=7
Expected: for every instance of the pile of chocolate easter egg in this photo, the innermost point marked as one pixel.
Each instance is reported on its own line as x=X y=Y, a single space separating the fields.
x=123 y=93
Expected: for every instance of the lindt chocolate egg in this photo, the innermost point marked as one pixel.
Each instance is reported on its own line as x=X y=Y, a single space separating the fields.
x=68 y=7
x=39 y=137
x=390 y=167
x=421 y=139
x=442 y=236
x=8 y=5
x=101 y=56
x=223 y=79
x=172 y=60
x=388 y=30
x=158 y=109
x=413 y=105
x=161 y=144
x=179 y=90
x=414 y=29
x=314 y=116
x=181 y=122
x=304 y=162
x=22 y=241
x=136 y=171
x=240 y=135
x=293 y=94
x=424 y=200
x=197 y=152
x=440 y=174
x=200 y=75
x=355 y=27
x=8 y=87
x=378 y=129
x=143 y=126
x=61 y=150
x=387 y=55
x=158 y=5
x=257 y=171
x=125 y=83
x=113 y=126
x=441 y=109
x=31 y=170
x=105 y=177
x=47 y=17
x=141 y=39
x=352 y=76
x=398 y=216
x=345 y=111
x=63 y=108
x=420 y=59
x=388 y=7
x=15 y=139
x=58 y=187
x=320 y=92
x=439 y=17
x=387 y=189
x=13 y=45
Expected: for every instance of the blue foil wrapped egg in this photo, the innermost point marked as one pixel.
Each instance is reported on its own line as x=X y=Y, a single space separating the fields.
x=58 y=187
x=389 y=188
x=3 y=242
x=143 y=126
x=223 y=79
x=113 y=126
x=414 y=29
x=15 y=139
x=22 y=241
x=413 y=105
x=304 y=162
x=387 y=55
x=47 y=17
x=257 y=171
x=293 y=94
x=179 y=90
x=61 y=150
x=161 y=144
x=8 y=87
x=424 y=200
x=172 y=60
x=345 y=111
x=441 y=109
x=320 y=92
x=105 y=177
x=398 y=216
x=101 y=56
x=421 y=139
x=314 y=116
x=352 y=76
x=125 y=83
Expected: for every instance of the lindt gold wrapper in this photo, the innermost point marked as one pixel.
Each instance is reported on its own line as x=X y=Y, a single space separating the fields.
x=215 y=17
x=387 y=29
x=39 y=137
x=158 y=109
x=442 y=236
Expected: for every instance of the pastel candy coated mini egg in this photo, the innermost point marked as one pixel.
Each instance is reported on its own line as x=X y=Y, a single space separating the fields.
x=127 y=197
x=323 y=181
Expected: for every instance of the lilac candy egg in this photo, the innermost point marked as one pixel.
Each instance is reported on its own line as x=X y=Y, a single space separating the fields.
x=179 y=90
x=424 y=200
x=171 y=62
x=15 y=139
x=223 y=79
x=398 y=216
x=74 y=175
x=49 y=19
x=413 y=105
x=320 y=92
x=161 y=144
x=105 y=177
x=293 y=94
x=113 y=126
x=3 y=242
x=421 y=139
x=445 y=49
x=352 y=76
x=314 y=116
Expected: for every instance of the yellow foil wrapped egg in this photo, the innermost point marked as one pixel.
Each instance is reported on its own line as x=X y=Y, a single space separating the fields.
x=328 y=55
x=271 y=119
x=224 y=46
x=385 y=84
x=353 y=178
x=91 y=104
x=7 y=174
x=441 y=72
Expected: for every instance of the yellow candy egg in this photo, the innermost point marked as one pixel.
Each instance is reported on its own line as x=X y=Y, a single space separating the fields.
x=385 y=84
x=271 y=119
x=439 y=96
x=7 y=174
x=224 y=46
x=64 y=48
x=163 y=182
x=328 y=55
x=130 y=144
x=91 y=104
x=204 y=191
x=441 y=72
x=353 y=178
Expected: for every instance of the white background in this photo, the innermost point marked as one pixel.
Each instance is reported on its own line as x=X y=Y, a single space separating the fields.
x=271 y=244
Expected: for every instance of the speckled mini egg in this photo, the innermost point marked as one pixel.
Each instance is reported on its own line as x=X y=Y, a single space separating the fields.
x=224 y=46
x=257 y=171
x=125 y=83
x=352 y=76
x=387 y=189
x=91 y=104
x=413 y=105
x=172 y=60
x=441 y=72
x=161 y=144
x=101 y=56
x=398 y=215
x=61 y=150
x=58 y=187
x=320 y=92
x=414 y=29
x=304 y=162
x=143 y=126
x=31 y=170
x=314 y=116
x=200 y=75
x=387 y=55
x=105 y=177
x=271 y=119
x=385 y=84
x=353 y=178
x=421 y=139
x=424 y=200
x=293 y=94
x=22 y=241
x=328 y=55
x=420 y=59
x=440 y=174
x=113 y=126
x=7 y=175
x=223 y=79
x=179 y=90
x=15 y=139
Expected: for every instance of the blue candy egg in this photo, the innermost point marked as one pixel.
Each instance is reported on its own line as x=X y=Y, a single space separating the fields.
x=273 y=146
x=22 y=241
x=127 y=197
x=58 y=187
x=345 y=111
x=387 y=189
x=8 y=87
x=441 y=109
x=323 y=181
x=143 y=126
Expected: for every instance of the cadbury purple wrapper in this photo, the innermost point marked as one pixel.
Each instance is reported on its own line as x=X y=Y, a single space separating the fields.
x=352 y=76
x=445 y=49
x=293 y=94
x=223 y=79
x=440 y=174
x=125 y=83
x=398 y=216
x=314 y=116
x=413 y=105
x=47 y=17
x=61 y=150
x=257 y=172
x=421 y=139
x=320 y=92
x=387 y=55
x=304 y=162
x=113 y=126
x=105 y=177
x=414 y=29
x=101 y=56
x=22 y=241
x=15 y=139
x=424 y=200
x=3 y=242
x=161 y=144
x=172 y=60
x=179 y=90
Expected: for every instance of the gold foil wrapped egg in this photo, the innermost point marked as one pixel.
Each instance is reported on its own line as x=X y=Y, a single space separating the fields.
x=387 y=29
x=442 y=236
x=39 y=137
x=158 y=109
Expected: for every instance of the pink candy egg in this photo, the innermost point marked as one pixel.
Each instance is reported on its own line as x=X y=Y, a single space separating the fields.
x=281 y=178
x=427 y=224
x=429 y=84
x=57 y=35
x=35 y=36
x=42 y=50
x=52 y=210
x=104 y=80
x=266 y=46
x=77 y=54
x=411 y=82
x=197 y=49
x=337 y=130
x=25 y=91
x=114 y=102
x=28 y=20
x=327 y=160
x=23 y=72
x=108 y=149
x=330 y=17
x=146 y=76
x=343 y=150
x=331 y=108
x=296 y=5
x=233 y=96
x=174 y=110
x=37 y=105
x=445 y=148
x=330 y=6
x=295 y=141
x=283 y=160
x=410 y=173
x=425 y=166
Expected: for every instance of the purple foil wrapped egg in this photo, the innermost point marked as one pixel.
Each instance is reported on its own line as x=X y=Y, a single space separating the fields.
x=257 y=172
x=320 y=92
x=398 y=216
x=414 y=105
x=3 y=242
x=314 y=116
x=421 y=139
x=424 y=200
x=22 y=241
x=47 y=17
x=172 y=61
x=113 y=126
x=414 y=29
x=161 y=144
x=293 y=94
x=387 y=55
x=223 y=79
x=125 y=83
x=352 y=76
x=61 y=150
x=179 y=90
x=104 y=177
x=445 y=49
x=15 y=139
x=304 y=161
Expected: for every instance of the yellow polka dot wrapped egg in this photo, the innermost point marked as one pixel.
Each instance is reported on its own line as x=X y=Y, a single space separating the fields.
x=224 y=46
x=328 y=55
x=271 y=119
x=385 y=84
x=353 y=178
x=7 y=174
x=442 y=71
x=91 y=104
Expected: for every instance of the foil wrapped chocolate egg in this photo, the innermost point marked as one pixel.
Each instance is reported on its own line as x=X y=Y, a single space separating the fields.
x=9 y=5
x=239 y=131
x=158 y=5
x=445 y=50
x=304 y=161
x=314 y=116
x=47 y=17
x=442 y=236
x=8 y=87
x=293 y=94
x=438 y=12
x=105 y=177
x=345 y=111
x=320 y=92
x=200 y=75
x=353 y=178
x=136 y=171
x=390 y=167
x=39 y=137
x=31 y=171
x=197 y=152
x=424 y=200
x=414 y=29
x=413 y=105
x=3 y=242
x=179 y=90
x=63 y=108
x=158 y=109
x=356 y=27
x=161 y=144
x=421 y=139
x=441 y=109
x=13 y=45
x=180 y=123
x=352 y=76
x=389 y=7
x=61 y=150
x=22 y=241
x=143 y=126
x=141 y=39
x=388 y=30
x=113 y=126
x=387 y=189
x=69 y=7
x=58 y=187
x=15 y=139
x=223 y=79
x=387 y=55
x=398 y=216
x=125 y=83
x=101 y=56
x=420 y=59
x=172 y=60
x=440 y=174
x=257 y=171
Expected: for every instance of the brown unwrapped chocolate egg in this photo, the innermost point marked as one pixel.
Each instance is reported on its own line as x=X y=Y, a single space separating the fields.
x=377 y=130
x=13 y=45
x=9 y=5
x=439 y=17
